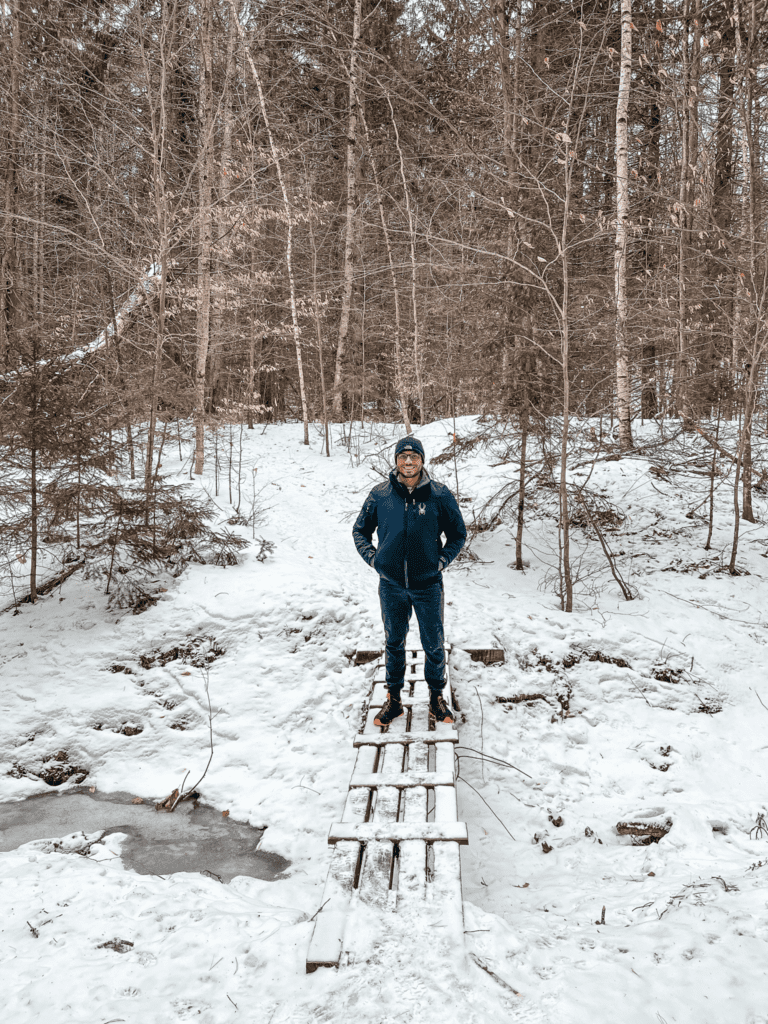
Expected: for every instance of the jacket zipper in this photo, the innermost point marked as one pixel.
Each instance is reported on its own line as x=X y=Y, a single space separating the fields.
x=405 y=563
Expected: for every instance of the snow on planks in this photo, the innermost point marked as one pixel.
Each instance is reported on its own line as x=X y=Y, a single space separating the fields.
x=396 y=847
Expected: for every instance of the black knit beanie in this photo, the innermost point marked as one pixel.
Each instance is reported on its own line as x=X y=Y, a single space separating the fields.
x=409 y=444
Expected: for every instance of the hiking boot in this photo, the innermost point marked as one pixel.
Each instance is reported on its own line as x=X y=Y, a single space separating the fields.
x=438 y=708
x=393 y=708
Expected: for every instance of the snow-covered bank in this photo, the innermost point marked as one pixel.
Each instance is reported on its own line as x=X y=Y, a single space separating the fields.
x=647 y=712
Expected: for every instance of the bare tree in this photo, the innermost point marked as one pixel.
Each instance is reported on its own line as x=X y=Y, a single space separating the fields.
x=205 y=227
x=289 y=220
x=351 y=211
x=623 y=391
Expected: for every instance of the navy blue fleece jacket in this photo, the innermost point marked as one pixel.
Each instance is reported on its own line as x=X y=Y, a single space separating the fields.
x=409 y=524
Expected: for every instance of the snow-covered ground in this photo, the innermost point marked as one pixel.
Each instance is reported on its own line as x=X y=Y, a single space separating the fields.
x=658 y=720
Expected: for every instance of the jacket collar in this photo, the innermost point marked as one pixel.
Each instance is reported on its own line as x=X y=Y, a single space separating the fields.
x=420 y=492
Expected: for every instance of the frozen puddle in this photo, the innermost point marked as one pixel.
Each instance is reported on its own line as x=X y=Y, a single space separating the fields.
x=158 y=843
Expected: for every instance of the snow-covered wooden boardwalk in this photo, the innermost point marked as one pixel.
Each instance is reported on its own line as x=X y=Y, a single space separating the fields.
x=397 y=844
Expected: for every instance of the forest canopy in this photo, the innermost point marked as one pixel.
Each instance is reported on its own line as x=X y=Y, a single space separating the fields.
x=321 y=211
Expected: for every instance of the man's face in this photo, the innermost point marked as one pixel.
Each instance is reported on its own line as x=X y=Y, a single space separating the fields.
x=409 y=464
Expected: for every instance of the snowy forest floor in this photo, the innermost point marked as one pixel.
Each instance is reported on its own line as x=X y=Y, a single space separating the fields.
x=647 y=711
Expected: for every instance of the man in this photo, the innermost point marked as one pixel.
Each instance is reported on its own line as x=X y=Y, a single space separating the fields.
x=410 y=512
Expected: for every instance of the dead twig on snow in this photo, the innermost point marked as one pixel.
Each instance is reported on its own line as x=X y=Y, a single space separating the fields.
x=625 y=589
x=319 y=909
x=206 y=676
x=484 y=967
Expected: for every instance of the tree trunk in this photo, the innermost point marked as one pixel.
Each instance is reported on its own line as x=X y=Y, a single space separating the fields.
x=649 y=405
x=412 y=240
x=721 y=311
x=686 y=196
x=205 y=172
x=566 y=579
x=523 y=370
x=400 y=389
x=623 y=394
x=566 y=592
x=228 y=106
x=156 y=367
x=750 y=155
x=249 y=394
x=747 y=511
x=713 y=473
x=319 y=331
x=349 y=237
x=288 y=212
x=650 y=173
x=9 y=269
x=33 y=531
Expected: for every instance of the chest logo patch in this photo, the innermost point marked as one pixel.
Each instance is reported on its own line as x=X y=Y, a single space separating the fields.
x=422 y=509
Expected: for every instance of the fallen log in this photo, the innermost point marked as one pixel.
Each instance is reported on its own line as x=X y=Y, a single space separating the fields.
x=716 y=445
x=651 y=831
x=45 y=588
x=143 y=292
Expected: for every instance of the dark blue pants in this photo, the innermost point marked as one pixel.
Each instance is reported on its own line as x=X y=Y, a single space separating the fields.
x=396 y=605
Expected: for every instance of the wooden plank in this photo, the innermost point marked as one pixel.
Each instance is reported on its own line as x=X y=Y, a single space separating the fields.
x=377 y=863
x=487 y=655
x=413 y=670
x=445 y=889
x=326 y=944
x=399 y=831
x=379 y=694
x=365 y=760
x=416 y=676
x=370 y=727
x=355 y=806
x=364 y=657
x=405 y=780
x=418 y=752
x=377 y=866
x=447 y=869
x=380 y=681
x=413 y=852
x=412 y=650
x=444 y=761
x=445 y=803
x=415 y=805
x=448 y=735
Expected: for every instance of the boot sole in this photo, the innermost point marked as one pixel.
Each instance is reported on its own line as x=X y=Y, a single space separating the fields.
x=448 y=720
x=382 y=724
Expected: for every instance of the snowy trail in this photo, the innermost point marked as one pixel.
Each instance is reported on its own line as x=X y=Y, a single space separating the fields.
x=686 y=932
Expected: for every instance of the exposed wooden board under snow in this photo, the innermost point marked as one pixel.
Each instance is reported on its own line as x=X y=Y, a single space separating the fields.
x=363 y=739
x=399 y=831
x=403 y=781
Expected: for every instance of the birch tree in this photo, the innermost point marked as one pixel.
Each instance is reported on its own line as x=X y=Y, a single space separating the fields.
x=205 y=225
x=623 y=390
